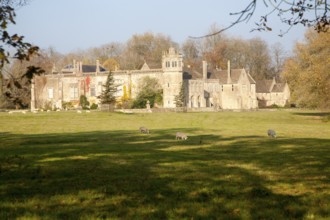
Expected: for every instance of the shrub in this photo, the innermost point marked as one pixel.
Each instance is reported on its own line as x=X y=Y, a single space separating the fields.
x=94 y=106
x=84 y=103
x=67 y=105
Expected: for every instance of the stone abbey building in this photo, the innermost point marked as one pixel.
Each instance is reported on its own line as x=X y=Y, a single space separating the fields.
x=204 y=87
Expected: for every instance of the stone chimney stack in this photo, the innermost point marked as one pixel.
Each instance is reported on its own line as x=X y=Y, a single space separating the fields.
x=228 y=73
x=204 y=70
x=97 y=66
x=74 y=67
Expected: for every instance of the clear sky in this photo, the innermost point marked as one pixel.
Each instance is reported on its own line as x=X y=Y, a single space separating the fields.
x=69 y=25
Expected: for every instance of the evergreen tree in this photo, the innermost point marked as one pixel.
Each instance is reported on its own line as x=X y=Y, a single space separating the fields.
x=149 y=90
x=179 y=99
x=108 y=94
x=84 y=103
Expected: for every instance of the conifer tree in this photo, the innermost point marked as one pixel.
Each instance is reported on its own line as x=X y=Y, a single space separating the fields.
x=180 y=99
x=109 y=90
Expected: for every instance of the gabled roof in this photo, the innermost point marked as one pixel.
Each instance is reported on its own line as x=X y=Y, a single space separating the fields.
x=145 y=66
x=263 y=86
x=278 y=87
x=251 y=80
x=222 y=75
x=267 y=86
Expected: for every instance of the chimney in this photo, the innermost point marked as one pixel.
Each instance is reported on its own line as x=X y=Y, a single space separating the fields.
x=204 y=70
x=97 y=66
x=74 y=67
x=228 y=73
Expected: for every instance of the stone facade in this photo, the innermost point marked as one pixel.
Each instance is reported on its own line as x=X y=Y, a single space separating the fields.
x=221 y=89
x=270 y=92
x=77 y=79
x=204 y=87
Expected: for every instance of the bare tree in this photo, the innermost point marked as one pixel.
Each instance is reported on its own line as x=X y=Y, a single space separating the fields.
x=278 y=55
x=190 y=49
x=258 y=58
x=302 y=12
x=22 y=50
x=145 y=47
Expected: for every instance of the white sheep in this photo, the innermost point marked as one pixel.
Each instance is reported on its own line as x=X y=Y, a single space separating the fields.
x=180 y=135
x=144 y=130
x=271 y=133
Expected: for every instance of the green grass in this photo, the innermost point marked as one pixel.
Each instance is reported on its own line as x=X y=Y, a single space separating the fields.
x=64 y=165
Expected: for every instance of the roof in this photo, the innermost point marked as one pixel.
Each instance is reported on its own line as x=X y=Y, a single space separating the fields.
x=222 y=75
x=278 y=87
x=85 y=69
x=267 y=86
x=263 y=86
x=91 y=69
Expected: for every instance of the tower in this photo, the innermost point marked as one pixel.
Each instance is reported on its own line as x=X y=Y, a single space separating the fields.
x=172 y=66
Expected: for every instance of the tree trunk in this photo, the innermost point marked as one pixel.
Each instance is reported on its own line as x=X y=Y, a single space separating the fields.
x=2 y=98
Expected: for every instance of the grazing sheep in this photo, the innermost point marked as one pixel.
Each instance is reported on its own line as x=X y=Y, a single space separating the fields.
x=271 y=133
x=78 y=111
x=144 y=130
x=180 y=135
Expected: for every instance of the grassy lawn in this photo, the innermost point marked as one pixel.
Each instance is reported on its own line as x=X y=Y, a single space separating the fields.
x=64 y=165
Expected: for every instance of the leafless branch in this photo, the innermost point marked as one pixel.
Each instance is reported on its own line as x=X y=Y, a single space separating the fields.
x=244 y=15
x=289 y=12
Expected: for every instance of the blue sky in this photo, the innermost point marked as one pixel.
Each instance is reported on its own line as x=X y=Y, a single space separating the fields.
x=69 y=25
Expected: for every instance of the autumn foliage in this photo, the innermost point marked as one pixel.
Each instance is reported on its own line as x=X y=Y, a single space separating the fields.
x=307 y=72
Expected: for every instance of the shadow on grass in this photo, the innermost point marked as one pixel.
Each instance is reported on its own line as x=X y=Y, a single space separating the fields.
x=320 y=114
x=124 y=174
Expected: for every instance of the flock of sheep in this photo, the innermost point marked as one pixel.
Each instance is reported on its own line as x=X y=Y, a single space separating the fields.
x=178 y=136
x=183 y=136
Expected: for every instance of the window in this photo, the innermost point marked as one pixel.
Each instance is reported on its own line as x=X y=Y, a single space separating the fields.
x=50 y=93
x=168 y=84
x=167 y=64
x=221 y=88
x=73 y=91
x=93 y=91
x=232 y=87
x=174 y=64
